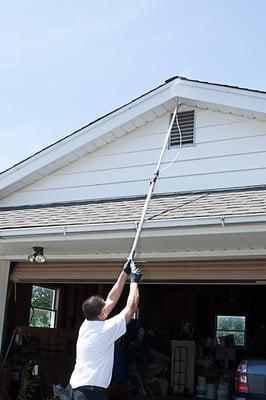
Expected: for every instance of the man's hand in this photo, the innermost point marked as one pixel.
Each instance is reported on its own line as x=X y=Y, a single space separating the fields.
x=126 y=267
x=136 y=273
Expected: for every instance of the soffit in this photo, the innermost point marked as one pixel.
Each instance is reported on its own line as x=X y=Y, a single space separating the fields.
x=196 y=226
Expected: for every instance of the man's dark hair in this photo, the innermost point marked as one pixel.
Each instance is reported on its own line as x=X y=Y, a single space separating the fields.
x=92 y=307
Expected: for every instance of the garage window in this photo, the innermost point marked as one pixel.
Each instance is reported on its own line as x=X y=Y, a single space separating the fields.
x=43 y=307
x=231 y=329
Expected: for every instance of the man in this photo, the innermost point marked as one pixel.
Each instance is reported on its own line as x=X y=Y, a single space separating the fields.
x=95 y=345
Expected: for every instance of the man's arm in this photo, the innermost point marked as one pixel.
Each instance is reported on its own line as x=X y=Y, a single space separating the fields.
x=132 y=301
x=115 y=292
x=133 y=297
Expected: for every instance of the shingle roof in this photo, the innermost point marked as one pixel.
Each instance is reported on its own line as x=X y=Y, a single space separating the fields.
x=221 y=204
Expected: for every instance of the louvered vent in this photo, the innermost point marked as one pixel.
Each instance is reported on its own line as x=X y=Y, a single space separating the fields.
x=186 y=124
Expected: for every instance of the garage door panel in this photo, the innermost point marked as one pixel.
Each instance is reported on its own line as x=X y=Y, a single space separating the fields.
x=153 y=272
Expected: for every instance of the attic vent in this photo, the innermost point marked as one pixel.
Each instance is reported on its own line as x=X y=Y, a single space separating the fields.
x=186 y=124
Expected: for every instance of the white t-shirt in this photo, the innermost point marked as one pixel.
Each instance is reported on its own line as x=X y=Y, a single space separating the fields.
x=95 y=351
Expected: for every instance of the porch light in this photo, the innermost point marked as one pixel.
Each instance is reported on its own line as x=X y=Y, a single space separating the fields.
x=37 y=255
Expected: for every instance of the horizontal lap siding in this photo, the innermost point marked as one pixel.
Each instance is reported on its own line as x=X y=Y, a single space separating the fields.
x=229 y=151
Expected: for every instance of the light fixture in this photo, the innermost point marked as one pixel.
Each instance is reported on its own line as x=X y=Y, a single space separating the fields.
x=37 y=255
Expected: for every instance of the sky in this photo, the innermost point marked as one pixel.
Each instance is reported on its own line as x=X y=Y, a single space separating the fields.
x=65 y=63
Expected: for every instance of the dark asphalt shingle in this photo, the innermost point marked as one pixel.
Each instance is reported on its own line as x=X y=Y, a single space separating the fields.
x=227 y=203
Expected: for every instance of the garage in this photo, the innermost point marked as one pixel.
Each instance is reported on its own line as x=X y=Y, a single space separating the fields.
x=202 y=247
x=178 y=340
x=204 y=276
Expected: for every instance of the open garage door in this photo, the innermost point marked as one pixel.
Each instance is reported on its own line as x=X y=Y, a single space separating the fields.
x=198 y=307
x=181 y=303
x=247 y=271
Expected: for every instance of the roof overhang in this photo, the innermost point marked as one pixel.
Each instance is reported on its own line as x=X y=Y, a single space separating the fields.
x=247 y=103
x=146 y=108
x=180 y=239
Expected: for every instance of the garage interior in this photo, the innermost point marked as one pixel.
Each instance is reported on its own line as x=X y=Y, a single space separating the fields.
x=169 y=351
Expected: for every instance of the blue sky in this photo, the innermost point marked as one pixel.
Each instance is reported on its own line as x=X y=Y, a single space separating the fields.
x=65 y=63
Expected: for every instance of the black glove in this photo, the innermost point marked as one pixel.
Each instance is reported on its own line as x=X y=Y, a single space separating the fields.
x=126 y=267
x=136 y=273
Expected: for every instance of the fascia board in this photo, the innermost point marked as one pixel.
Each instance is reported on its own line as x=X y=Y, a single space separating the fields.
x=238 y=224
x=85 y=136
x=179 y=88
x=220 y=95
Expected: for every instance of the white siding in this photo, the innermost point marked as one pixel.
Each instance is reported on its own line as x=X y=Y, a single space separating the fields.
x=230 y=151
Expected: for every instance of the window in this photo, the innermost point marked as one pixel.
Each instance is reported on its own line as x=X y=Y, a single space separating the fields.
x=186 y=124
x=231 y=325
x=43 y=312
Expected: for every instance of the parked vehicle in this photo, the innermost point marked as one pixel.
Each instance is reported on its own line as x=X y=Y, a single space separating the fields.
x=250 y=380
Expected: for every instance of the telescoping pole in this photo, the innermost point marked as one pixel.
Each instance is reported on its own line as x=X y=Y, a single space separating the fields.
x=151 y=188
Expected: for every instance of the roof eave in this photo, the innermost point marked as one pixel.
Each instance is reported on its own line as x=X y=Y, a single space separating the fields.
x=84 y=136
x=235 y=98
x=250 y=223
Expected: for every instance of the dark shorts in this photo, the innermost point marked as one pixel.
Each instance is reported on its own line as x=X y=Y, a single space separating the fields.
x=88 y=393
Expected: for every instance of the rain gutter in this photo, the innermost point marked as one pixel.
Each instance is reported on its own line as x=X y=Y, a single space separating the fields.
x=69 y=230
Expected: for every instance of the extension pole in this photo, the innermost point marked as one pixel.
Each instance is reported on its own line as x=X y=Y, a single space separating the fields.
x=151 y=188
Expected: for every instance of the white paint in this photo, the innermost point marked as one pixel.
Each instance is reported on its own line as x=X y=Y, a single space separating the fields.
x=230 y=151
x=4 y=274
x=220 y=95
x=232 y=237
x=144 y=109
x=191 y=255
x=98 y=131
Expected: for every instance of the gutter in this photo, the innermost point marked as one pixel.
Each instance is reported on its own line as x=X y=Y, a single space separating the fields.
x=203 y=222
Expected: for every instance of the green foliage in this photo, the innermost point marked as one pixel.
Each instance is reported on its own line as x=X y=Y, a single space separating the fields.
x=42 y=297
x=42 y=302
x=232 y=325
x=41 y=318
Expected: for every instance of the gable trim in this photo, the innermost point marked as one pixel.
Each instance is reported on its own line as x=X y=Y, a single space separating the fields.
x=70 y=144
x=35 y=167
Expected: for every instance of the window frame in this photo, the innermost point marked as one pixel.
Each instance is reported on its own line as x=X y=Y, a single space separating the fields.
x=53 y=310
x=235 y=330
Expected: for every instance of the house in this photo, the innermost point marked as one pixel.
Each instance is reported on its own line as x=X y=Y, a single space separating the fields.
x=81 y=198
